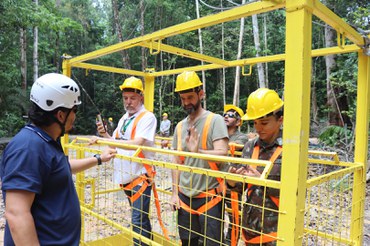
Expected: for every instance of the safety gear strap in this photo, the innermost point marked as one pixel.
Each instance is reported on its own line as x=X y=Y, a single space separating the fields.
x=269 y=237
x=216 y=198
x=144 y=180
x=234 y=208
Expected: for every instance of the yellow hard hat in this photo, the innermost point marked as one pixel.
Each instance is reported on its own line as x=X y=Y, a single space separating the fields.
x=164 y=114
x=110 y=119
x=187 y=80
x=262 y=102
x=132 y=83
x=229 y=107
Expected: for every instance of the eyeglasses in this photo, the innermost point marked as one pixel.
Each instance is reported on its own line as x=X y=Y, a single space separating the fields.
x=74 y=109
x=230 y=115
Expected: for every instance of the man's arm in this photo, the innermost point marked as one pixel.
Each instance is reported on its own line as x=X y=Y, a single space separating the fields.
x=220 y=147
x=18 y=214
x=78 y=165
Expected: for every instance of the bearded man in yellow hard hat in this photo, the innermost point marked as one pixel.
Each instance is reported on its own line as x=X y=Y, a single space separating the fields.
x=193 y=191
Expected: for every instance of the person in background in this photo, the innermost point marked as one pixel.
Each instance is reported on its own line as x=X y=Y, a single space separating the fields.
x=41 y=203
x=110 y=126
x=164 y=129
x=137 y=126
x=200 y=132
x=232 y=116
x=265 y=108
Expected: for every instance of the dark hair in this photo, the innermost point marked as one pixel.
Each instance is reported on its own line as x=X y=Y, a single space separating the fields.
x=196 y=90
x=40 y=117
x=276 y=114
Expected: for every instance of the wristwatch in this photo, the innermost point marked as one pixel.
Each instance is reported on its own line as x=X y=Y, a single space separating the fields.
x=97 y=156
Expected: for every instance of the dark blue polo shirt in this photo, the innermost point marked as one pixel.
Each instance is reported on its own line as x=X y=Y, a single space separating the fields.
x=34 y=162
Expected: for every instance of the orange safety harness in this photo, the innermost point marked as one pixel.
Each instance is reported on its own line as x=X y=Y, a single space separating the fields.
x=270 y=237
x=145 y=179
x=214 y=193
x=234 y=208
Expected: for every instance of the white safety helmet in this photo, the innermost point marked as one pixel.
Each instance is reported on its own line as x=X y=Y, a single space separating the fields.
x=53 y=90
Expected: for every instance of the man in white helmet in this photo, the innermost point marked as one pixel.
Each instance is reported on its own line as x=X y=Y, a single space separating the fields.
x=41 y=203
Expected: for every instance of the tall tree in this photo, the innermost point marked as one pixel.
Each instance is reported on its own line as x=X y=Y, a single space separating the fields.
x=35 y=49
x=201 y=51
x=118 y=28
x=142 y=26
x=257 y=45
x=23 y=52
x=238 y=56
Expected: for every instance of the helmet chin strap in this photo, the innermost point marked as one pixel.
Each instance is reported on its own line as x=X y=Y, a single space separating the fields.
x=62 y=125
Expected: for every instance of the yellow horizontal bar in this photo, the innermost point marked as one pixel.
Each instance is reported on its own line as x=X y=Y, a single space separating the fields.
x=119 y=227
x=107 y=191
x=328 y=236
x=180 y=153
x=234 y=63
x=163 y=138
x=107 y=50
x=333 y=175
x=225 y=16
x=329 y=162
x=187 y=53
x=261 y=59
x=329 y=17
x=169 y=165
x=109 y=69
x=335 y=50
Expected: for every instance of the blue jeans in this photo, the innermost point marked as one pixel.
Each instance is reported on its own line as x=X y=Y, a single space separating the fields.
x=140 y=213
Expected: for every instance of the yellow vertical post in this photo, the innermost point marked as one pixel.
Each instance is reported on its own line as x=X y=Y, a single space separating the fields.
x=66 y=71
x=149 y=92
x=296 y=121
x=361 y=147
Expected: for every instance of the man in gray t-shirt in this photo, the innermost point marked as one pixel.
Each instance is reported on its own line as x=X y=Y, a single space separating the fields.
x=200 y=132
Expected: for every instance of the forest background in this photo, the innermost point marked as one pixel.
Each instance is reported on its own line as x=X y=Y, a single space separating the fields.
x=35 y=35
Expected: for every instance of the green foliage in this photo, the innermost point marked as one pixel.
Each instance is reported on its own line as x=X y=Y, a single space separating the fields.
x=10 y=124
x=335 y=136
x=77 y=27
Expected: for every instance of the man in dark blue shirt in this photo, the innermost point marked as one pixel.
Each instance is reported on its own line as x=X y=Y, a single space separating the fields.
x=41 y=203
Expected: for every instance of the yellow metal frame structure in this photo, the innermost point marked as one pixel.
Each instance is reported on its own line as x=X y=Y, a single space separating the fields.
x=297 y=88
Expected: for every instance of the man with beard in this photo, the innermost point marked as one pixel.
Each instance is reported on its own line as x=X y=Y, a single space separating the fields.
x=137 y=126
x=198 y=198
x=41 y=203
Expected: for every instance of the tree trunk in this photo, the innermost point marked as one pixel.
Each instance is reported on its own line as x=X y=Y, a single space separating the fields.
x=313 y=94
x=223 y=80
x=238 y=56
x=23 y=61
x=143 y=58
x=201 y=51
x=35 y=49
x=334 y=114
x=118 y=28
x=265 y=41
x=256 y=37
